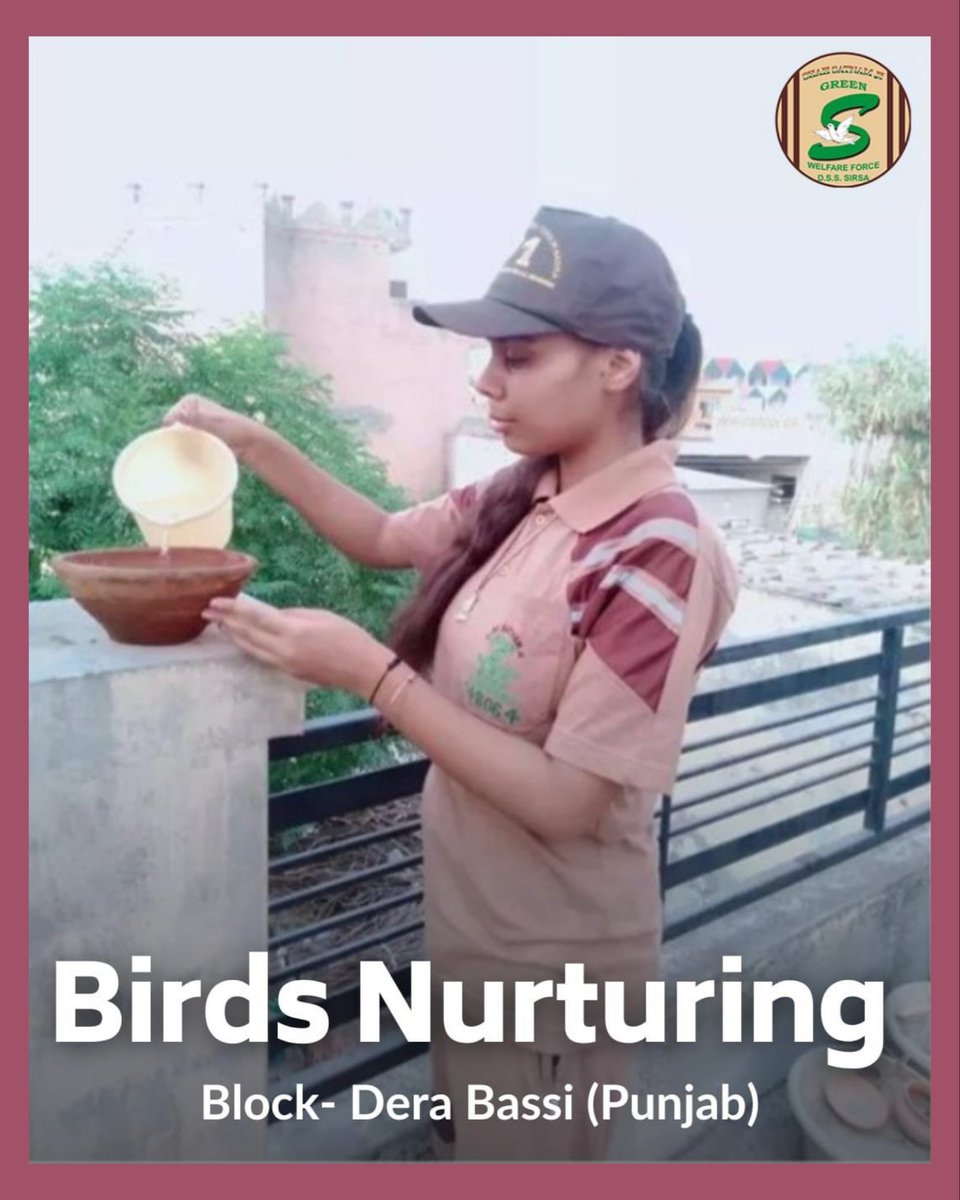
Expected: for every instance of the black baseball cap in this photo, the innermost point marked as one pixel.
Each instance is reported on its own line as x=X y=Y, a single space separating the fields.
x=594 y=277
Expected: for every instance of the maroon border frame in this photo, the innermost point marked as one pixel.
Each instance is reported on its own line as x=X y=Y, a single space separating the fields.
x=924 y=18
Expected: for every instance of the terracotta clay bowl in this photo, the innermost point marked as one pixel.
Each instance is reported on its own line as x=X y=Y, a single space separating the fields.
x=912 y=1110
x=150 y=597
x=857 y=1101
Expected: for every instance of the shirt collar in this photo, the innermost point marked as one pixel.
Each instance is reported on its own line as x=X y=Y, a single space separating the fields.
x=601 y=496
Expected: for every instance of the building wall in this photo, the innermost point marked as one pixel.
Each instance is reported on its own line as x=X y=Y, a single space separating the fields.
x=325 y=279
x=327 y=288
x=474 y=456
x=738 y=505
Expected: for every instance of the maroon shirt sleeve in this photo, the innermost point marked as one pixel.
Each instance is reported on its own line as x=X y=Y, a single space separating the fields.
x=644 y=602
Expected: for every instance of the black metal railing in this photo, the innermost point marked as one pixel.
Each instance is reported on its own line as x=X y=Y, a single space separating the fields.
x=857 y=715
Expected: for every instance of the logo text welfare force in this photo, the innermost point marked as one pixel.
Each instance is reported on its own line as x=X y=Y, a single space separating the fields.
x=843 y=120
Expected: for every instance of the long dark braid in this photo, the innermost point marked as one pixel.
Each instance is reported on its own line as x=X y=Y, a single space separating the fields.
x=665 y=396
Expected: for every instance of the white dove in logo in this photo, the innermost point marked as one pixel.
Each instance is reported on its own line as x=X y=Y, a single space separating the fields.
x=837 y=133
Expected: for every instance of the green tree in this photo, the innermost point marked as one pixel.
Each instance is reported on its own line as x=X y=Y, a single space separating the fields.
x=106 y=354
x=881 y=403
x=109 y=353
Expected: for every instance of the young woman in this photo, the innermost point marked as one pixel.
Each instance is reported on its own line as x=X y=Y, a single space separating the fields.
x=545 y=664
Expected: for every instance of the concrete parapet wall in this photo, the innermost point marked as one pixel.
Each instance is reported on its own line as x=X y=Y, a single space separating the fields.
x=148 y=836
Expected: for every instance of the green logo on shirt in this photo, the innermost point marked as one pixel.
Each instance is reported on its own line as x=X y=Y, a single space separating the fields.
x=489 y=685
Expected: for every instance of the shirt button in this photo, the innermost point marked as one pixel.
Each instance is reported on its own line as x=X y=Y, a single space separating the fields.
x=539 y=519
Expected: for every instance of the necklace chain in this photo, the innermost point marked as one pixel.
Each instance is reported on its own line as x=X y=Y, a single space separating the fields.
x=508 y=552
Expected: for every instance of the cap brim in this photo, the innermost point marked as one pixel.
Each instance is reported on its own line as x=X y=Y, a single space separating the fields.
x=483 y=319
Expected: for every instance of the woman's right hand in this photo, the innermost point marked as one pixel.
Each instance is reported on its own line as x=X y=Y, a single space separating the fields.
x=238 y=431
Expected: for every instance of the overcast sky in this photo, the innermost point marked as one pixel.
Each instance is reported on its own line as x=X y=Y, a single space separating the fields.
x=673 y=134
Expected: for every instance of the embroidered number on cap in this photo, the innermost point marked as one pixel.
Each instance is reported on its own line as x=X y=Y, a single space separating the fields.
x=527 y=251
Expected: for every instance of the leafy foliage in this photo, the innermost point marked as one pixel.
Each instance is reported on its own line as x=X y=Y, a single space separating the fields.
x=881 y=402
x=110 y=352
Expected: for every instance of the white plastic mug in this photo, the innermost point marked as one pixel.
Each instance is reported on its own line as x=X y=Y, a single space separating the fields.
x=178 y=482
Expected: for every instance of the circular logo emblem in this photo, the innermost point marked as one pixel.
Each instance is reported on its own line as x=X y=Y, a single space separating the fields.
x=843 y=120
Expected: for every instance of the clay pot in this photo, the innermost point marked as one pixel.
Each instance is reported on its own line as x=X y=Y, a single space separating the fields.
x=148 y=597
x=912 y=1110
x=857 y=1101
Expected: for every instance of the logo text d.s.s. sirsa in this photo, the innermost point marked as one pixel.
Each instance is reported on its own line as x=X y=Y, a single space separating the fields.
x=843 y=120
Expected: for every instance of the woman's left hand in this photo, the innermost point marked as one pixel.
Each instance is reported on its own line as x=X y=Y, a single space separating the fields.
x=311 y=644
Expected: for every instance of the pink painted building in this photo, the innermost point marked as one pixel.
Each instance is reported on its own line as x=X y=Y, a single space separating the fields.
x=328 y=288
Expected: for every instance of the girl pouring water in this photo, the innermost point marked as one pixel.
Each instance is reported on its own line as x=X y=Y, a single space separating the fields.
x=545 y=664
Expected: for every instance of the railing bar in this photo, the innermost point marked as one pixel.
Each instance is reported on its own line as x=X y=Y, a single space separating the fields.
x=343 y=881
x=812 y=762
x=774 y=688
x=343 y=1005
x=352 y=793
x=767 y=836
x=663 y=837
x=414 y=895
x=885 y=717
x=356 y=1066
x=915 y=653
x=329 y=733
x=736 y=697
x=329 y=849
x=767 y=750
x=862 y=766
x=369 y=789
x=342 y=729
x=779 y=880
x=778 y=724
x=362 y=725
x=351 y=782
x=816 y=635
x=912 y=729
x=910 y=749
x=390 y=934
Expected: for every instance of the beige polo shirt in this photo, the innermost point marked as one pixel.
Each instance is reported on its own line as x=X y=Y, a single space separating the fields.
x=584 y=634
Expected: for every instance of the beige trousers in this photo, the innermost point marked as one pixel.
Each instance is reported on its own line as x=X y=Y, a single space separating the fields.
x=516 y=1071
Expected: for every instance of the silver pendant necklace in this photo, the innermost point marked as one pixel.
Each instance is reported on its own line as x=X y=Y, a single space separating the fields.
x=467 y=607
x=510 y=551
